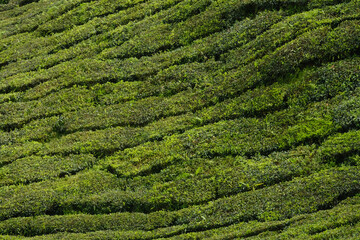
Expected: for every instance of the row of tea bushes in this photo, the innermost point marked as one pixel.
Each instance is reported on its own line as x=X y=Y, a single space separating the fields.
x=288 y=29
x=302 y=195
x=334 y=223
x=84 y=13
x=7 y=54
x=46 y=197
x=260 y=18
x=52 y=85
x=199 y=180
x=18 y=113
x=166 y=59
x=162 y=128
x=342 y=148
x=322 y=84
x=218 y=139
x=43 y=11
x=53 y=43
x=339 y=223
x=80 y=42
x=77 y=33
x=33 y=168
x=105 y=94
x=81 y=98
x=321 y=121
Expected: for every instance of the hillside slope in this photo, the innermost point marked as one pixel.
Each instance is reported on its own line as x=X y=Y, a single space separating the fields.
x=180 y=119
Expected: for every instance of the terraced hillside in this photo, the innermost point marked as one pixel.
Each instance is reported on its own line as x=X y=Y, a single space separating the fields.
x=180 y=119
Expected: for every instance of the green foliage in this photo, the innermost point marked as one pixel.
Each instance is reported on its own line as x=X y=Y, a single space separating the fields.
x=180 y=119
x=33 y=168
x=253 y=205
x=338 y=148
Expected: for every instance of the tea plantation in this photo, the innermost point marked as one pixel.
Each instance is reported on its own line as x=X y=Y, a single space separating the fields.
x=180 y=119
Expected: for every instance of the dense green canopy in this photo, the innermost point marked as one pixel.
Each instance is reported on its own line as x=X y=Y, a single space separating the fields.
x=180 y=119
